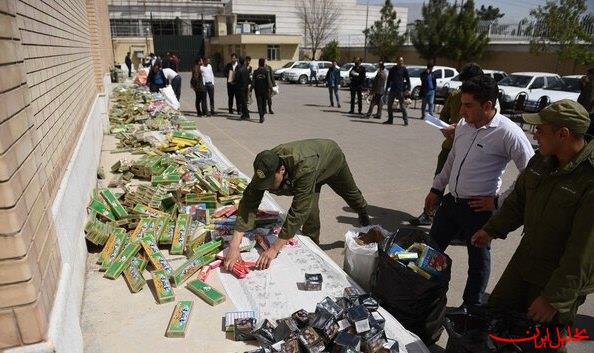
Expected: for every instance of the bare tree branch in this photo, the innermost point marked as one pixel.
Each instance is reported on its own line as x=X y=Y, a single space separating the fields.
x=319 y=19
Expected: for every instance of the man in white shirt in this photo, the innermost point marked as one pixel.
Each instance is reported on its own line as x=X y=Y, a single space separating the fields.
x=208 y=78
x=484 y=143
x=174 y=80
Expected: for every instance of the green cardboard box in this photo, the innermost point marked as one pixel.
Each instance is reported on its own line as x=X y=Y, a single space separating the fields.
x=180 y=318
x=206 y=292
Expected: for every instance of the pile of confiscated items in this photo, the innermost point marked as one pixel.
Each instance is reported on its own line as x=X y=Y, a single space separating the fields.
x=181 y=199
x=348 y=324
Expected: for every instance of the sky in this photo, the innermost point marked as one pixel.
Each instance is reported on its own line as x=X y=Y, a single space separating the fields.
x=514 y=10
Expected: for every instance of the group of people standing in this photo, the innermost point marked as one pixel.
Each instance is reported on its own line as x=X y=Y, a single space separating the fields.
x=202 y=82
x=242 y=80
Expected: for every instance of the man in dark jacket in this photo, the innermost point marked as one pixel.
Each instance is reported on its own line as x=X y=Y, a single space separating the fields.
x=271 y=84
x=242 y=83
x=231 y=88
x=261 y=87
x=298 y=169
x=586 y=97
x=428 y=87
x=378 y=88
x=399 y=85
x=357 y=76
x=333 y=83
x=129 y=64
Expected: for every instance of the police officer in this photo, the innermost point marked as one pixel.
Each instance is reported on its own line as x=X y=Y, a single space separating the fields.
x=552 y=270
x=297 y=169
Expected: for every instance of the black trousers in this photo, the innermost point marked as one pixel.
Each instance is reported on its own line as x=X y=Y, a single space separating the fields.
x=210 y=92
x=268 y=99
x=357 y=91
x=455 y=218
x=232 y=93
x=200 y=103
x=242 y=102
x=129 y=70
x=176 y=86
x=261 y=99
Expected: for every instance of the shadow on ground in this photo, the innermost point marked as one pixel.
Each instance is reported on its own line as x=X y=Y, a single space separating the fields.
x=387 y=217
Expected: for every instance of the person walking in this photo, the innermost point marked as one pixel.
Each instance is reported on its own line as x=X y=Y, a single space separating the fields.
x=208 y=78
x=357 y=77
x=552 y=270
x=299 y=169
x=174 y=79
x=156 y=78
x=232 y=92
x=242 y=83
x=128 y=62
x=271 y=84
x=197 y=84
x=428 y=87
x=313 y=72
x=378 y=89
x=261 y=84
x=333 y=83
x=399 y=85
x=485 y=142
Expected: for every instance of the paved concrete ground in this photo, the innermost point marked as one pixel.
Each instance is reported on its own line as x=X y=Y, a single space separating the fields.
x=392 y=165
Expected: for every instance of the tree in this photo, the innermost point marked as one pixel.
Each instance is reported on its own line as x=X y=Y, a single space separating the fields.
x=489 y=14
x=431 y=32
x=560 y=27
x=383 y=37
x=466 y=42
x=331 y=52
x=319 y=19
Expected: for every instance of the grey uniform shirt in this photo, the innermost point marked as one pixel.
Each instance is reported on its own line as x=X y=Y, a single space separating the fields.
x=478 y=158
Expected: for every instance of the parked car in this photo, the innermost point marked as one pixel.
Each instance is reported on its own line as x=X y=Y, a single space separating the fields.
x=455 y=82
x=535 y=85
x=443 y=74
x=345 y=70
x=555 y=89
x=300 y=72
x=279 y=73
x=573 y=82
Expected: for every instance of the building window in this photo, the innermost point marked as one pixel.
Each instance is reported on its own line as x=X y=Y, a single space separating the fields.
x=273 y=53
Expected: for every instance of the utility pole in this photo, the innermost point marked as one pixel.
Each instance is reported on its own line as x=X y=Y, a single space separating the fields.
x=366 y=22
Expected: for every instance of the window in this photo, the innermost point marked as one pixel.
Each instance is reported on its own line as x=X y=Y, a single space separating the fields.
x=497 y=77
x=437 y=74
x=538 y=83
x=449 y=73
x=273 y=52
x=555 y=83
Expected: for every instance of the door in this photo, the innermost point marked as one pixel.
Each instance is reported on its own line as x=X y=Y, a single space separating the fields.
x=187 y=47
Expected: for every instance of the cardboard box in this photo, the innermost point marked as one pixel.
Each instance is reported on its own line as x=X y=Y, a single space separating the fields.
x=163 y=288
x=206 y=292
x=123 y=260
x=133 y=276
x=179 y=237
x=180 y=318
x=114 y=204
x=188 y=268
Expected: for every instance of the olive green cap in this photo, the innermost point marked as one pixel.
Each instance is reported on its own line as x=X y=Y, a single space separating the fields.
x=565 y=113
x=265 y=166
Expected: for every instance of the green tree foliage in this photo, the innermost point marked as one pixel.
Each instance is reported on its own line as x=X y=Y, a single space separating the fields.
x=466 y=42
x=489 y=14
x=383 y=37
x=331 y=52
x=560 y=27
x=432 y=31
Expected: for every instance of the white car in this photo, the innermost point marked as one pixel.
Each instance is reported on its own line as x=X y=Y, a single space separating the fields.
x=300 y=72
x=556 y=89
x=279 y=73
x=455 y=82
x=345 y=70
x=443 y=74
x=535 y=85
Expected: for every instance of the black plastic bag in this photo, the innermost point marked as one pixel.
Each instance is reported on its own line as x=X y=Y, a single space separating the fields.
x=416 y=302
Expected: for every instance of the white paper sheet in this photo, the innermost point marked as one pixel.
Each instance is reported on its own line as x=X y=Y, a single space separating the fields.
x=435 y=122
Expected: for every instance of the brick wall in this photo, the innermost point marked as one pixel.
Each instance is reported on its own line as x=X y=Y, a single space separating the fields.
x=53 y=55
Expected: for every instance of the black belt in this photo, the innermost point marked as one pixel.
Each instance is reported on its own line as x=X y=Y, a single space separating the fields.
x=459 y=200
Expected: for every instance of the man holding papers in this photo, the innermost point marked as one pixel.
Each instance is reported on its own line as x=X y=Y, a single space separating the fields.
x=485 y=141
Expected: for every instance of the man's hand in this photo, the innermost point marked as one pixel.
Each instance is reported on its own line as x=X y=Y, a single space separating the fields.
x=431 y=202
x=482 y=203
x=232 y=257
x=267 y=256
x=541 y=310
x=481 y=238
x=449 y=132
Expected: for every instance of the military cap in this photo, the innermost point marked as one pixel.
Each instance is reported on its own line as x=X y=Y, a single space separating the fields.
x=265 y=166
x=565 y=113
